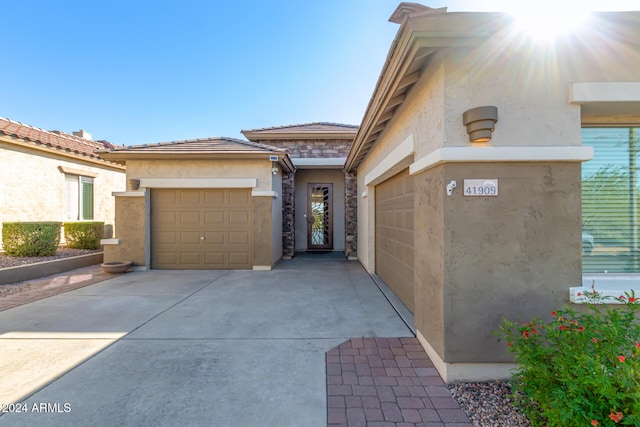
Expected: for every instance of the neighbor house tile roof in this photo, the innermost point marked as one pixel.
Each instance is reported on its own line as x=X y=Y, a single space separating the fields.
x=55 y=140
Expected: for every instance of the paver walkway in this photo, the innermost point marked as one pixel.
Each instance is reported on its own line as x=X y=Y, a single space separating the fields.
x=387 y=382
x=53 y=285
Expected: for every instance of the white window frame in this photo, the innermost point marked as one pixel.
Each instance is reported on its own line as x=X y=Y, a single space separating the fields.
x=74 y=198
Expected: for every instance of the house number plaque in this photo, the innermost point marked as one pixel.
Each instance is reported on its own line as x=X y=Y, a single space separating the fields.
x=480 y=187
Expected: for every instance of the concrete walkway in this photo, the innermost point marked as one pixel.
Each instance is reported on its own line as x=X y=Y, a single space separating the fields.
x=197 y=348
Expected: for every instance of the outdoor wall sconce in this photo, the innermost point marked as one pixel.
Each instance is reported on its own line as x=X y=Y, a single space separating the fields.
x=480 y=122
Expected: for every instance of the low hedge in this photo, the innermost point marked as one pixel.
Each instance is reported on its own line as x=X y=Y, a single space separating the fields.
x=23 y=239
x=83 y=235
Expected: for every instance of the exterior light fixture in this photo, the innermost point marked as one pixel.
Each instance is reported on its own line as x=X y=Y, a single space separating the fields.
x=480 y=122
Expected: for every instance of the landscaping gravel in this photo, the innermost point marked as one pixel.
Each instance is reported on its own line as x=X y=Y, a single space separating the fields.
x=62 y=252
x=488 y=404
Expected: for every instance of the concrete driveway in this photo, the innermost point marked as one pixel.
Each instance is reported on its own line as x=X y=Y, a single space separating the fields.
x=189 y=348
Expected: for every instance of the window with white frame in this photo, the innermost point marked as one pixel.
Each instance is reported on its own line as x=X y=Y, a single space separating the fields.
x=78 y=197
x=610 y=208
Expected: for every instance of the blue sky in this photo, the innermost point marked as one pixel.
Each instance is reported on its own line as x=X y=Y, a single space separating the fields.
x=138 y=71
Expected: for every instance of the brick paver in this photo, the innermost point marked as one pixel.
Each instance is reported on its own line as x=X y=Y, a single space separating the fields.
x=387 y=382
x=53 y=285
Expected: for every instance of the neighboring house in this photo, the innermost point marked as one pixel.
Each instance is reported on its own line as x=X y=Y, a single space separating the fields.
x=471 y=220
x=200 y=204
x=319 y=198
x=54 y=176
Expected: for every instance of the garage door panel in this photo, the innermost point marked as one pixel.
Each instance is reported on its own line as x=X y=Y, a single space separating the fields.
x=394 y=235
x=168 y=237
x=189 y=218
x=238 y=258
x=190 y=197
x=194 y=258
x=213 y=197
x=239 y=217
x=166 y=217
x=238 y=237
x=214 y=217
x=166 y=197
x=167 y=258
x=215 y=258
x=202 y=230
x=215 y=237
x=239 y=199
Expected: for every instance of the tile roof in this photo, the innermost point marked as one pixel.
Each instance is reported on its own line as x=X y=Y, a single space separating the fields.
x=53 y=139
x=201 y=145
x=309 y=127
x=305 y=131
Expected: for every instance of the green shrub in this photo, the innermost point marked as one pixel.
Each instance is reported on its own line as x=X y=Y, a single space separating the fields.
x=23 y=239
x=83 y=235
x=580 y=369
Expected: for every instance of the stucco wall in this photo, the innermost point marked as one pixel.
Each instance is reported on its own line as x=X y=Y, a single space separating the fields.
x=132 y=229
x=227 y=168
x=489 y=258
x=309 y=176
x=32 y=185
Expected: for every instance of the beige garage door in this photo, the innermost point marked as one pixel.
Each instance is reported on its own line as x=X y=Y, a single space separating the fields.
x=201 y=229
x=394 y=235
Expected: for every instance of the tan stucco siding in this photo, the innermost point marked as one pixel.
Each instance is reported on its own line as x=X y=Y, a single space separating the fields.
x=227 y=168
x=32 y=186
x=132 y=230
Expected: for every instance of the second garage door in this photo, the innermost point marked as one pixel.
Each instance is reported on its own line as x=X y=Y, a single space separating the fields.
x=394 y=235
x=201 y=229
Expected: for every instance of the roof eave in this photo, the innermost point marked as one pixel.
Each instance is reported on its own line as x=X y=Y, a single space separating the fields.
x=418 y=38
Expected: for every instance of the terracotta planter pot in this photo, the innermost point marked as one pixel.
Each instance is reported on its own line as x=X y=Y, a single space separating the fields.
x=115 y=266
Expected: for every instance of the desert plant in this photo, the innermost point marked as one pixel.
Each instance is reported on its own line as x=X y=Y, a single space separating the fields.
x=23 y=239
x=581 y=367
x=83 y=235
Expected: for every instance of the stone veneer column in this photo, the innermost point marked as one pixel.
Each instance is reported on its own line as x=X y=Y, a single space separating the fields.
x=350 y=215
x=288 y=215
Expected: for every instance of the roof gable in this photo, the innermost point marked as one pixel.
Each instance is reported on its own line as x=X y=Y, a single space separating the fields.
x=315 y=130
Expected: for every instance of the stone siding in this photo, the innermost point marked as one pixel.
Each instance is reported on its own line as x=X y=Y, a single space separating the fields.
x=288 y=215
x=316 y=148
x=351 y=215
x=313 y=148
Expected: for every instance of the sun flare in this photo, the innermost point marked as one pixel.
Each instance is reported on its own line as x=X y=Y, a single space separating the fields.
x=547 y=24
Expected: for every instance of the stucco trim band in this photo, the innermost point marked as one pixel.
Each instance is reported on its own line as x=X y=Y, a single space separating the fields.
x=264 y=193
x=128 y=193
x=472 y=372
x=109 y=241
x=72 y=171
x=398 y=160
x=318 y=163
x=501 y=155
x=604 y=92
x=198 y=182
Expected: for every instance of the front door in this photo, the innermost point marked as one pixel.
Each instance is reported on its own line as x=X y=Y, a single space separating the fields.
x=319 y=216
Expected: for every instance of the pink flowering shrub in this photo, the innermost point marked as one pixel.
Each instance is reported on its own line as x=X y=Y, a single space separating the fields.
x=581 y=367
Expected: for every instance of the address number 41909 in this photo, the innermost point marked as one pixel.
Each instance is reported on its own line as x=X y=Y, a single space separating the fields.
x=480 y=187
